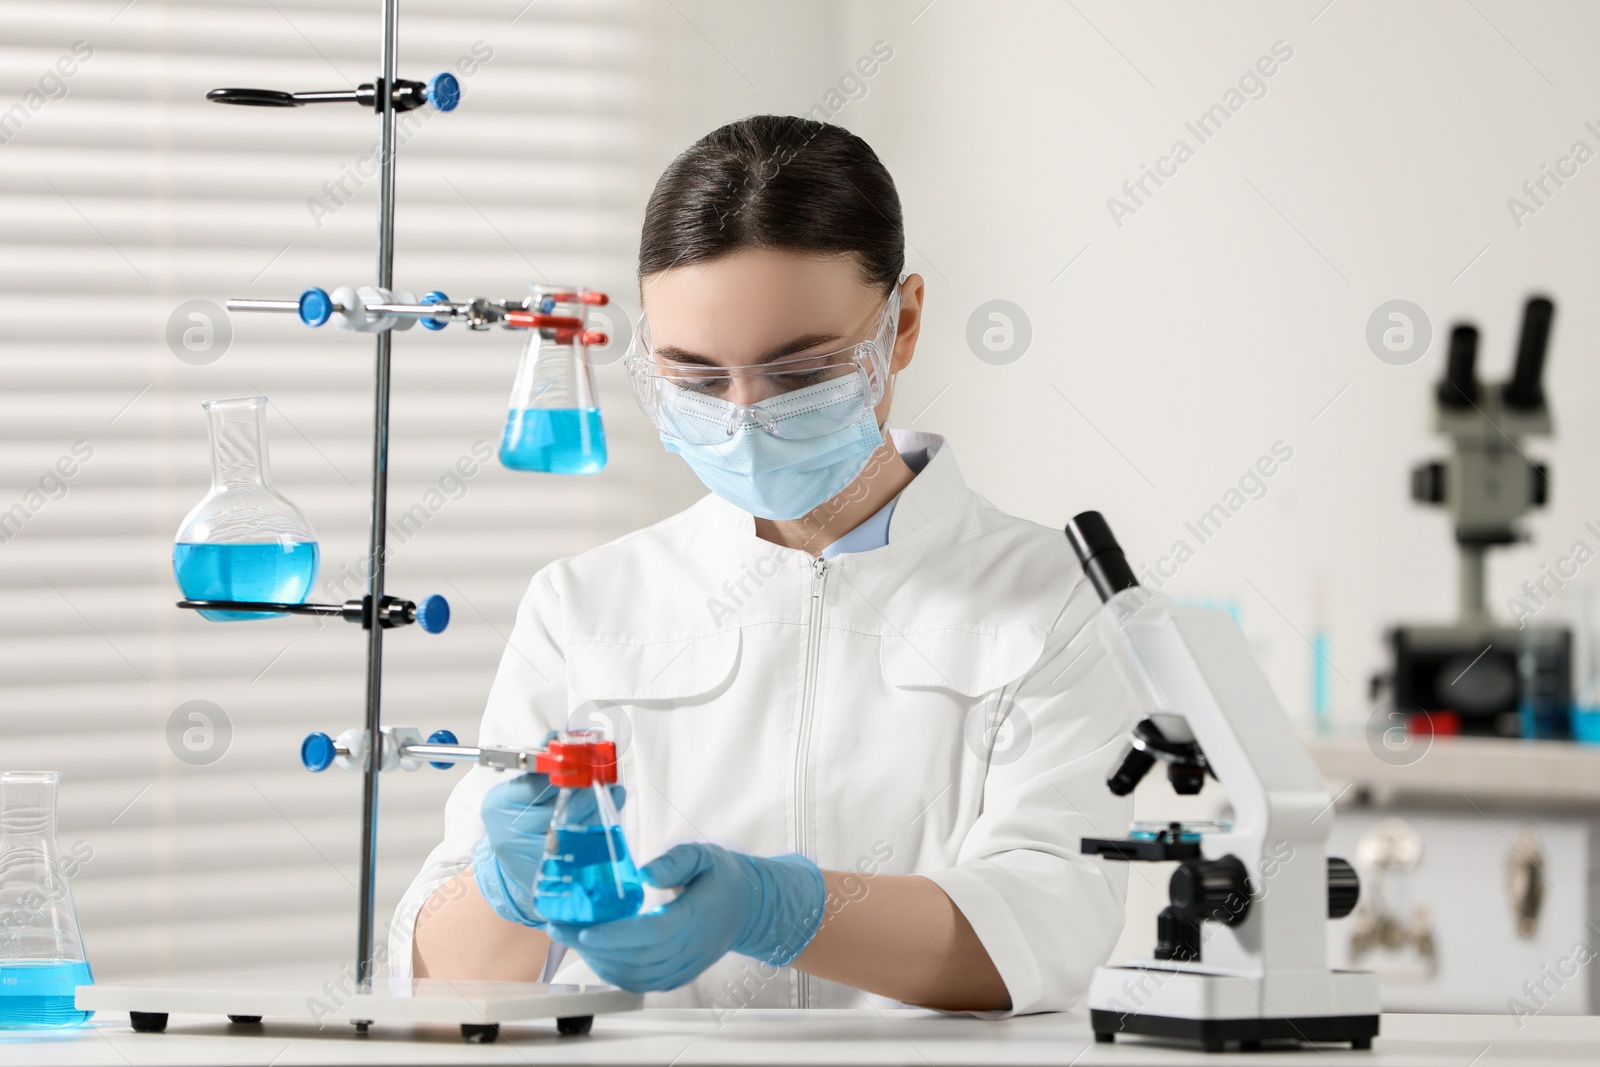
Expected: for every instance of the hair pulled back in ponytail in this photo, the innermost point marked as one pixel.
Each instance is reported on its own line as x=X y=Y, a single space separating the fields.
x=776 y=181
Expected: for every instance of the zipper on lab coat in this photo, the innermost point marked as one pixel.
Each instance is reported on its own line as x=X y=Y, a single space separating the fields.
x=808 y=695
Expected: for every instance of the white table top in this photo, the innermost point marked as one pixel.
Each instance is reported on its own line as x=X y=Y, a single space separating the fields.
x=684 y=1038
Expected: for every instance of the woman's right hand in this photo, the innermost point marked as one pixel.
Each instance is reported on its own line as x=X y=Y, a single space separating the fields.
x=516 y=818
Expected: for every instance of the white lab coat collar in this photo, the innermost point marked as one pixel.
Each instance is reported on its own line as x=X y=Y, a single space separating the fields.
x=932 y=493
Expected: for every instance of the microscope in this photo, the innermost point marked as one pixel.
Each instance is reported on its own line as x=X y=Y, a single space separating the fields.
x=1241 y=950
x=1463 y=677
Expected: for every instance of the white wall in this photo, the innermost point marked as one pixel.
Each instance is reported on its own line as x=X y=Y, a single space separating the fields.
x=1228 y=310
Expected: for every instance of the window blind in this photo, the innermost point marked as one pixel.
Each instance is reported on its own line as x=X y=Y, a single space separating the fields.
x=198 y=843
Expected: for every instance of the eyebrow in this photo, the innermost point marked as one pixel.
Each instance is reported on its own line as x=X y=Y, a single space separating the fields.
x=789 y=348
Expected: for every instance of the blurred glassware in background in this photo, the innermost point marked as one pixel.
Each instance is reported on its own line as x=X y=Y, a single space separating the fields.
x=244 y=540
x=1544 y=664
x=1586 y=668
x=41 y=945
x=1321 y=703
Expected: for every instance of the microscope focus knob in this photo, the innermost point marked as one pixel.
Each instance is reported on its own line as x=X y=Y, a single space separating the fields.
x=1344 y=888
x=1218 y=890
x=1427 y=483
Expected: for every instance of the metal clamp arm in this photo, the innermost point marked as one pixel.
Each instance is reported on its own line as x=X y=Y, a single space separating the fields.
x=432 y=614
x=443 y=91
x=374 y=310
x=403 y=747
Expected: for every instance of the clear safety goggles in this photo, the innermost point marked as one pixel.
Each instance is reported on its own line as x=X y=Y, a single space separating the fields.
x=795 y=398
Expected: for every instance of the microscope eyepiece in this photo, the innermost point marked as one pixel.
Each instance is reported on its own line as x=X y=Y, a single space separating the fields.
x=1130 y=772
x=1097 y=549
x=1525 y=391
x=1460 y=386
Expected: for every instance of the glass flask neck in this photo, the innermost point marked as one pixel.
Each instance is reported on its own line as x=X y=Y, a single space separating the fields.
x=558 y=819
x=553 y=374
x=28 y=808
x=38 y=923
x=602 y=814
x=238 y=441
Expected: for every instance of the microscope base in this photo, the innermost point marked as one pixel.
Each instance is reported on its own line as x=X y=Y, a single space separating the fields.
x=1212 y=1010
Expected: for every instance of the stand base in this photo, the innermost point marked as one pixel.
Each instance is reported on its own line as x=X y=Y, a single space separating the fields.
x=1213 y=1035
x=477 y=1007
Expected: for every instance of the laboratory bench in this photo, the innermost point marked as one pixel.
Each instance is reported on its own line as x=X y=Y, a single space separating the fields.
x=687 y=1037
x=1480 y=866
x=1462 y=771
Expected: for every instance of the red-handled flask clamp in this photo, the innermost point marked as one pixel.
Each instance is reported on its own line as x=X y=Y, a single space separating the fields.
x=575 y=764
x=564 y=327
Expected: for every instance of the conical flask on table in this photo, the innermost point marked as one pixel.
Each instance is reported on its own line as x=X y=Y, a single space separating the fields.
x=42 y=960
x=554 y=423
x=244 y=540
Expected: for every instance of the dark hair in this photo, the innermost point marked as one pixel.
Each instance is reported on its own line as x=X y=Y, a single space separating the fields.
x=776 y=181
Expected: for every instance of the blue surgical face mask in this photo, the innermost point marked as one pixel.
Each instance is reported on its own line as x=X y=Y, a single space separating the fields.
x=785 y=477
x=783 y=456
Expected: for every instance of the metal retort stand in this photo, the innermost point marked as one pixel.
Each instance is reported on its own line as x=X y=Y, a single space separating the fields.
x=478 y=1007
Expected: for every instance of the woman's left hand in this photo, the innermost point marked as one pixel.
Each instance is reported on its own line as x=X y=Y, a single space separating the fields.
x=768 y=908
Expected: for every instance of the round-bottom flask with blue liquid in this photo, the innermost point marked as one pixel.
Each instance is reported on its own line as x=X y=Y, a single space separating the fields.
x=244 y=540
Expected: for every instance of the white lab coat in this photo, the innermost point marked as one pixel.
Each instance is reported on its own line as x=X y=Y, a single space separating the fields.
x=937 y=706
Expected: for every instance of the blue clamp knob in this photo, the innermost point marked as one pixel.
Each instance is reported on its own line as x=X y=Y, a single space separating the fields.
x=433 y=614
x=317 y=752
x=442 y=737
x=434 y=297
x=315 y=307
x=443 y=91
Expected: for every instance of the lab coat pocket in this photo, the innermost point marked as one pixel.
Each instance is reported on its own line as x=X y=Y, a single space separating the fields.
x=966 y=661
x=634 y=671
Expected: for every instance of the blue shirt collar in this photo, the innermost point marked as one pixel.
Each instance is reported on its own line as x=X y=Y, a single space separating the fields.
x=874 y=532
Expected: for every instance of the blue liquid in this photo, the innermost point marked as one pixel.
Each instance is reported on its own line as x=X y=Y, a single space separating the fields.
x=38 y=993
x=281 y=573
x=556 y=440
x=579 y=882
x=1544 y=719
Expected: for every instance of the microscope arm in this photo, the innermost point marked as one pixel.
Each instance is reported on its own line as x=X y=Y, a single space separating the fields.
x=1195 y=667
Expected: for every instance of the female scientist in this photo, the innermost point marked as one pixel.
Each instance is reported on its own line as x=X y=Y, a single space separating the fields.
x=862 y=719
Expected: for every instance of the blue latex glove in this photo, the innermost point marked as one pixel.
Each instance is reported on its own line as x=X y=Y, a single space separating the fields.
x=766 y=908
x=516 y=817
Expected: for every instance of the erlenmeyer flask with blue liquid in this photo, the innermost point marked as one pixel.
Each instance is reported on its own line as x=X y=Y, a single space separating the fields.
x=554 y=423
x=42 y=961
x=244 y=540
x=588 y=875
